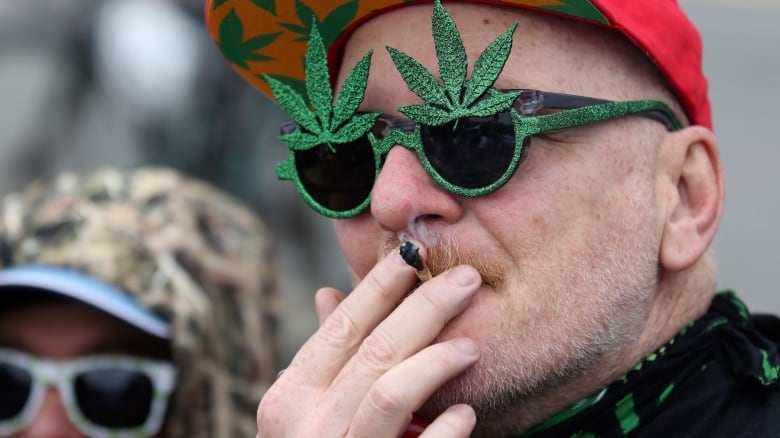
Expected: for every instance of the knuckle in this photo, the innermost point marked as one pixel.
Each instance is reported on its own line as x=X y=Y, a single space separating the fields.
x=379 y=284
x=273 y=414
x=270 y=406
x=378 y=351
x=340 y=330
x=385 y=400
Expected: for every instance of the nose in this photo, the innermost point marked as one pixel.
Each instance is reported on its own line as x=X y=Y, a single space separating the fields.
x=404 y=194
x=52 y=419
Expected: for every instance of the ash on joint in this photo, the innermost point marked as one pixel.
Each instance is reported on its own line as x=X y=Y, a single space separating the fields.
x=411 y=254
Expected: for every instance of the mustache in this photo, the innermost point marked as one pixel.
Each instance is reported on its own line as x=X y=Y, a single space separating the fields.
x=446 y=253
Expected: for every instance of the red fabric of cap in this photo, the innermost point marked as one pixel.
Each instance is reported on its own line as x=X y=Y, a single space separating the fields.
x=661 y=29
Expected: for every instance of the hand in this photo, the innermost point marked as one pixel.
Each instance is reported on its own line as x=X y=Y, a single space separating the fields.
x=371 y=364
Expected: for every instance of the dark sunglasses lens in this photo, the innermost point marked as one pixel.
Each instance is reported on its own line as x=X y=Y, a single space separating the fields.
x=114 y=398
x=472 y=152
x=340 y=178
x=15 y=387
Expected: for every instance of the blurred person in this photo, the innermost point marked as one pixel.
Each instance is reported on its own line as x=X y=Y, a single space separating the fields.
x=133 y=303
x=554 y=165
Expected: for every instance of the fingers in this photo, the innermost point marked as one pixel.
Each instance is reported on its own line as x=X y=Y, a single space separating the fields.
x=371 y=362
x=410 y=328
x=402 y=390
x=413 y=326
x=351 y=321
x=325 y=301
x=457 y=421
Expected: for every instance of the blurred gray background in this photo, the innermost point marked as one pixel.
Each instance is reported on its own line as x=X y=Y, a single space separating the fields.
x=91 y=83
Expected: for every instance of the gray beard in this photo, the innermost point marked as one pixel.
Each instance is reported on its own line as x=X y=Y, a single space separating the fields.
x=508 y=395
x=496 y=397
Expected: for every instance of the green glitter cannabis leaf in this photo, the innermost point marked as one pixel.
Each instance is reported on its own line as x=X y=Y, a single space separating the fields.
x=232 y=44
x=297 y=84
x=458 y=96
x=324 y=123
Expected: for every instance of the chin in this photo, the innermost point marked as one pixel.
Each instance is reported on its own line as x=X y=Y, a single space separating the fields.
x=486 y=321
x=529 y=348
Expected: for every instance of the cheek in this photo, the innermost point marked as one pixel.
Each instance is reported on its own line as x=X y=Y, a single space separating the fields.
x=359 y=239
x=555 y=204
x=525 y=213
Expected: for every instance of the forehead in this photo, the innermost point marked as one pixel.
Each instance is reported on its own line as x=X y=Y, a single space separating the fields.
x=548 y=53
x=63 y=329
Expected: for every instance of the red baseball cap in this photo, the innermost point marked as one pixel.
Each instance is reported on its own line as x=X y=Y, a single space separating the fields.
x=269 y=36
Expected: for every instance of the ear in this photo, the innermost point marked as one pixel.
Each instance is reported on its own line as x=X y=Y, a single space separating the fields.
x=691 y=188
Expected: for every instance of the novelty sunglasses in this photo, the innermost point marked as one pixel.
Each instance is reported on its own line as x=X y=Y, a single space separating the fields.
x=104 y=396
x=469 y=156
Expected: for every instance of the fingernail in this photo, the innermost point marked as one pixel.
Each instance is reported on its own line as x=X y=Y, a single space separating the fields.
x=467 y=346
x=461 y=275
x=465 y=413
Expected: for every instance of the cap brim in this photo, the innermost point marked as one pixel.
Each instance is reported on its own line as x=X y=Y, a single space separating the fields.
x=270 y=38
x=88 y=290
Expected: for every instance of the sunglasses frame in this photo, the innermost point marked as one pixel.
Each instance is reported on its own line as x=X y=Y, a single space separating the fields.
x=62 y=374
x=572 y=111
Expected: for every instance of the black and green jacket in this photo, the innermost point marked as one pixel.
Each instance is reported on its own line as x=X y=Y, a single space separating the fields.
x=717 y=378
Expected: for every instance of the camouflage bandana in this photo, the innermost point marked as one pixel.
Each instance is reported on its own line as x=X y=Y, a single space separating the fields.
x=185 y=251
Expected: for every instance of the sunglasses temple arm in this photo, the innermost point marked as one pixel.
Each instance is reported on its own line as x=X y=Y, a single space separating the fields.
x=598 y=113
x=666 y=117
x=659 y=111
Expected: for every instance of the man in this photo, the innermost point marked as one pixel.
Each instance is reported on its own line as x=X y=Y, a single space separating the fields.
x=133 y=303
x=568 y=229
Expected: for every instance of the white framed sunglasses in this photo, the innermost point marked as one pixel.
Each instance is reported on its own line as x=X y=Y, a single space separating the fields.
x=104 y=395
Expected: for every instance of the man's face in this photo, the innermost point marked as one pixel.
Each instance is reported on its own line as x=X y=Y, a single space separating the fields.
x=573 y=236
x=66 y=330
